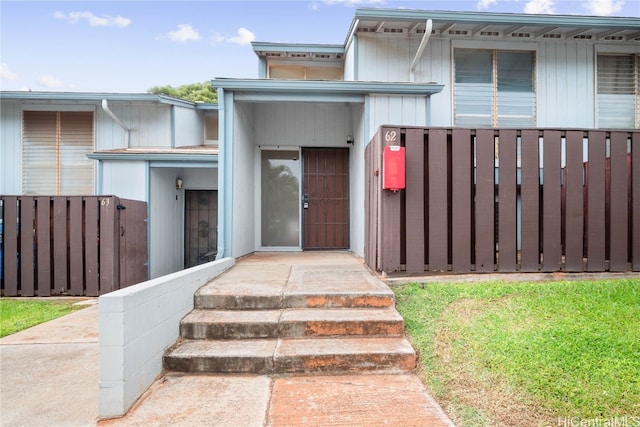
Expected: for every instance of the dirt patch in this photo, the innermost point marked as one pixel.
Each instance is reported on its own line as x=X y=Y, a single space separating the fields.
x=486 y=392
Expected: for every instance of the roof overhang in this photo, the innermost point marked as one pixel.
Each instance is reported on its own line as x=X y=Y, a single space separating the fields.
x=96 y=97
x=198 y=154
x=294 y=51
x=403 y=22
x=320 y=90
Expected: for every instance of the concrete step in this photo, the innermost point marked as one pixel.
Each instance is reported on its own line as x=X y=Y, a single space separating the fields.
x=292 y=356
x=266 y=297
x=244 y=324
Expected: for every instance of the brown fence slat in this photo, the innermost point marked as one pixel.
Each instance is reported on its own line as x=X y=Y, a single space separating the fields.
x=619 y=219
x=390 y=215
x=43 y=246
x=551 y=203
x=10 y=250
x=76 y=251
x=461 y=175
x=135 y=231
x=60 y=276
x=109 y=254
x=438 y=215
x=574 y=213
x=485 y=200
x=415 y=212
x=635 y=201
x=596 y=202
x=507 y=201
x=530 y=196
x=26 y=247
x=91 y=246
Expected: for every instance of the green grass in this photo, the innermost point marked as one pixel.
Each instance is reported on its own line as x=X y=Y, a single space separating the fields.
x=19 y=314
x=555 y=349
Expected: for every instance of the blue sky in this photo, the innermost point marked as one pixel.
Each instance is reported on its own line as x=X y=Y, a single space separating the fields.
x=130 y=46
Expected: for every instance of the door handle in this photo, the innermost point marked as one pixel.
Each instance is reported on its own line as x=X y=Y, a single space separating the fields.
x=305 y=201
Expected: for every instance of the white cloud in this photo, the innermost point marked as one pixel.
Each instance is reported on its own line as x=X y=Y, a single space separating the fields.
x=540 y=6
x=184 y=33
x=49 y=81
x=93 y=20
x=353 y=2
x=244 y=37
x=485 y=4
x=603 y=7
x=5 y=73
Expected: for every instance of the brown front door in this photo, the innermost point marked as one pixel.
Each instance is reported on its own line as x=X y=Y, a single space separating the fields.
x=200 y=227
x=325 y=198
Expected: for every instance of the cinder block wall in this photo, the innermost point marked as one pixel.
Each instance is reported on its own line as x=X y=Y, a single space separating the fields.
x=137 y=324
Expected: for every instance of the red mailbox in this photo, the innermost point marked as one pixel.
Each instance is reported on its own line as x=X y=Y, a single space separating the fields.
x=393 y=168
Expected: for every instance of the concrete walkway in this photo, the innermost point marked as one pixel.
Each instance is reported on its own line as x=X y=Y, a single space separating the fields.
x=61 y=388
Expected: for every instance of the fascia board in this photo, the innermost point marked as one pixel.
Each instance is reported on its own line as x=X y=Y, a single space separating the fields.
x=208 y=158
x=334 y=87
x=573 y=21
x=95 y=97
x=296 y=47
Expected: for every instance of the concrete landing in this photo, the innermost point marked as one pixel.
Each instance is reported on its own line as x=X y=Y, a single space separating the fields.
x=344 y=400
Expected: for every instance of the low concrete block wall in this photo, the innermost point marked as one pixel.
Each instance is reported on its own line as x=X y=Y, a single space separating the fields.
x=137 y=324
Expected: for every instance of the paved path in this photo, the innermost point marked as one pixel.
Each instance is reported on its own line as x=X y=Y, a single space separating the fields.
x=61 y=387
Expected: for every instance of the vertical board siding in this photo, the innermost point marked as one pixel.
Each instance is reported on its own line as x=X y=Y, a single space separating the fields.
x=53 y=244
x=575 y=215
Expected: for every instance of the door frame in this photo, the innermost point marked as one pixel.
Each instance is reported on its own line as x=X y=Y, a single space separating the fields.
x=348 y=203
x=258 y=199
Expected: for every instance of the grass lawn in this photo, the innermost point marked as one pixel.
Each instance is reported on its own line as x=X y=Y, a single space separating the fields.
x=19 y=314
x=528 y=353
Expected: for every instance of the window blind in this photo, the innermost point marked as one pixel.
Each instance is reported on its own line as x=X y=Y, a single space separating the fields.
x=494 y=88
x=55 y=145
x=617 y=84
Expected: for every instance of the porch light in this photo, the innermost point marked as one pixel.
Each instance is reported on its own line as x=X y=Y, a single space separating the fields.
x=179 y=183
x=349 y=139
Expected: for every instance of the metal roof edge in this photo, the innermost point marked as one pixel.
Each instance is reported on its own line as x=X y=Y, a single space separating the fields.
x=154 y=157
x=94 y=97
x=577 y=21
x=297 y=47
x=326 y=86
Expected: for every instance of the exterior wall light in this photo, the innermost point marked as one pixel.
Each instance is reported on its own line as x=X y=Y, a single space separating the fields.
x=349 y=139
x=179 y=183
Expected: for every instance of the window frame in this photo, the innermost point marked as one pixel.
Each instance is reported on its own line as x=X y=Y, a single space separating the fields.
x=636 y=83
x=498 y=47
x=63 y=143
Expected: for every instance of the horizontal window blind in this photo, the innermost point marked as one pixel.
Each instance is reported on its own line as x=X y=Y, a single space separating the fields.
x=494 y=88
x=55 y=145
x=617 y=91
x=473 y=90
x=516 y=99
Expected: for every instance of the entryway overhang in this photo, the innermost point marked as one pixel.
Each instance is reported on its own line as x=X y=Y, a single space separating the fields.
x=266 y=90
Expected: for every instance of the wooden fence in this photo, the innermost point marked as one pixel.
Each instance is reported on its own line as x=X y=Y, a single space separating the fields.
x=71 y=245
x=485 y=200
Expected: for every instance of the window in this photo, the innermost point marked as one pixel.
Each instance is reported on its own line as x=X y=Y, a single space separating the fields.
x=54 y=154
x=494 y=88
x=304 y=73
x=211 y=129
x=618 y=91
